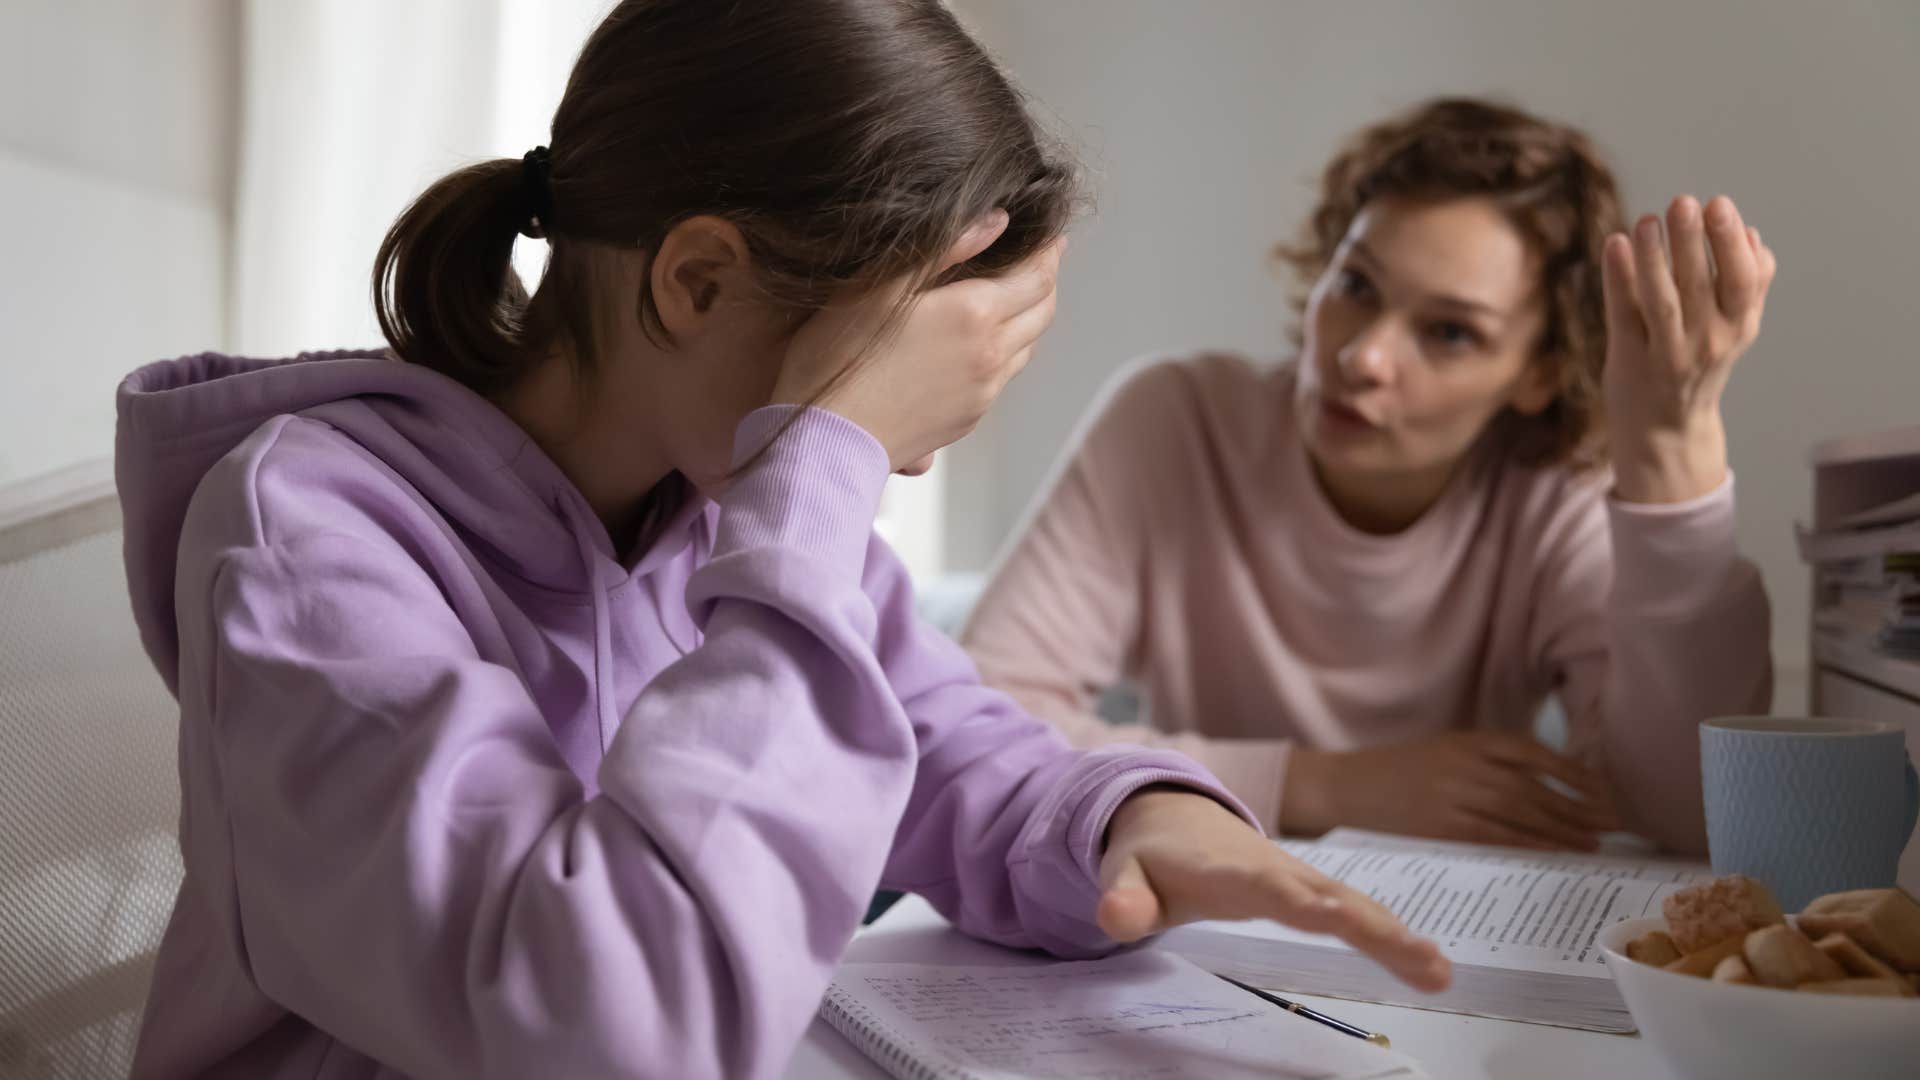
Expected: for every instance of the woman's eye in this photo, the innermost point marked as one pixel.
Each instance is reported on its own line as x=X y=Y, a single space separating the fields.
x=1352 y=282
x=1453 y=335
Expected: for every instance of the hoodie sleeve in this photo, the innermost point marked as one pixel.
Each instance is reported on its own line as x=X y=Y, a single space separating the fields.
x=1649 y=621
x=1005 y=826
x=417 y=873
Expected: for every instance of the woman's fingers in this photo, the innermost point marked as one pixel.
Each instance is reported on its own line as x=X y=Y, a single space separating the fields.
x=1659 y=299
x=1591 y=815
x=1692 y=273
x=1527 y=753
x=1518 y=801
x=1618 y=289
x=1517 y=796
x=1739 y=284
x=1525 y=807
x=1480 y=829
x=1763 y=257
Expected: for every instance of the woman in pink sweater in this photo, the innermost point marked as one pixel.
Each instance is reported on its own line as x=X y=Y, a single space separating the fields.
x=1348 y=582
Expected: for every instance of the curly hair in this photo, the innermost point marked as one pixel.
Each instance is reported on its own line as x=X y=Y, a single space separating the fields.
x=1555 y=190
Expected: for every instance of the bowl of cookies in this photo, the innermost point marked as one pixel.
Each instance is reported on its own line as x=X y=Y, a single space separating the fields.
x=1724 y=984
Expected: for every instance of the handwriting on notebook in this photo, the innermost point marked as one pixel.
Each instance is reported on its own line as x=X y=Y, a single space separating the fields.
x=989 y=1010
x=1139 y=1016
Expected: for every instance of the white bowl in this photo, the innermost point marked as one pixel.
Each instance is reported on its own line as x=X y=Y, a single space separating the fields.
x=1707 y=1030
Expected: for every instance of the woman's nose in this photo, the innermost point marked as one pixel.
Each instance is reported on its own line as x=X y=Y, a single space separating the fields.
x=1367 y=360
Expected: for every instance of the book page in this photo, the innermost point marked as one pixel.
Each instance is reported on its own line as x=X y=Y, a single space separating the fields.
x=1144 y=1015
x=1494 y=907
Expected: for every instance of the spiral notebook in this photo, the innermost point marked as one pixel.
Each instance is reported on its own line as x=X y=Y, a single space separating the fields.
x=1139 y=1015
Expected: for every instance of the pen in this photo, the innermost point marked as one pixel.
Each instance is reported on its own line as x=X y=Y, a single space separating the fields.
x=1301 y=1010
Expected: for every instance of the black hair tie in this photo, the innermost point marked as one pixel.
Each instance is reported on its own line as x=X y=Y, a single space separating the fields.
x=535 y=192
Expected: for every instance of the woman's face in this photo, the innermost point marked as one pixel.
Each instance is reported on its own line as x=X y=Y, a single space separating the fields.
x=1422 y=328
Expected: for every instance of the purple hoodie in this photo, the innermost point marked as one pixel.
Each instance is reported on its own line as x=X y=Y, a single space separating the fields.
x=466 y=794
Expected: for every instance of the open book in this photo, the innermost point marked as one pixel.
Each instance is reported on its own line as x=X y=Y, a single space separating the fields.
x=1146 y=1015
x=1519 y=927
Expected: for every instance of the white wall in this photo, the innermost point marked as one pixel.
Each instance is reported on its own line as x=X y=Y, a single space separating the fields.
x=1205 y=123
x=116 y=135
x=354 y=107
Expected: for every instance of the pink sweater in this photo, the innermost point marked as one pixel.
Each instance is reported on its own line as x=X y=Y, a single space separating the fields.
x=1187 y=545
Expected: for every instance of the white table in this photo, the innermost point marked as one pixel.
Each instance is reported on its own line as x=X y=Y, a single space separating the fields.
x=1450 y=1047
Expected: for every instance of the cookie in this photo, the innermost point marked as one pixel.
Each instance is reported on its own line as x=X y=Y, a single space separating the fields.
x=1885 y=922
x=1782 y=956
x=1653 y=947
x=1702 y=962
x=1856 y=961
x=1713 y=911
x=1733 y=969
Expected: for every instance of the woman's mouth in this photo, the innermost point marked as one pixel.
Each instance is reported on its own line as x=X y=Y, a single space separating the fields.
x=1343 y=417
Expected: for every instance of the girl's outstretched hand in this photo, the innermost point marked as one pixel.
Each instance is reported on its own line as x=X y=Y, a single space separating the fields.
x=1176 y=856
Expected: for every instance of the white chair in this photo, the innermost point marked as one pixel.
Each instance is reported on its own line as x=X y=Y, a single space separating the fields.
x=89 y=788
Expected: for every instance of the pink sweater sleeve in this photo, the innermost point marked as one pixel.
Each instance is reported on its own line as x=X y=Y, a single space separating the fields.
x=1649 y=621
x=1060 y=617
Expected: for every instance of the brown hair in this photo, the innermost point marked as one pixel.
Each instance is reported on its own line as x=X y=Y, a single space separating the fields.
x=850 y=141
x=1556 y=191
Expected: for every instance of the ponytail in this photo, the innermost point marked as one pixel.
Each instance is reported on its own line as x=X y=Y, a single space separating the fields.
x=444 y=288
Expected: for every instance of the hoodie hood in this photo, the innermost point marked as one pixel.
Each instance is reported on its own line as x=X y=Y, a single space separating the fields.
x=479 y=469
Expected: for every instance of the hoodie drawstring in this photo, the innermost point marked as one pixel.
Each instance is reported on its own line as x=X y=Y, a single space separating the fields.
x=660 y=617
x=602 y=621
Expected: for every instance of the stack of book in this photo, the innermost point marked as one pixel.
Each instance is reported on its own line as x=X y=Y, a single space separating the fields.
x=1873 y=600
x=1867 y=578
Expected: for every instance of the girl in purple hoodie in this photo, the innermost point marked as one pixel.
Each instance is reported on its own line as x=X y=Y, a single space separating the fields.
x=548 y=707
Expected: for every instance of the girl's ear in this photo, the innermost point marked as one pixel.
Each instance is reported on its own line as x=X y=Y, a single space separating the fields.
x=701 y=262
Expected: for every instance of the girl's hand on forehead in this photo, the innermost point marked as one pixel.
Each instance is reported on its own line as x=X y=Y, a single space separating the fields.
x=1684 y=302
x=931 y=379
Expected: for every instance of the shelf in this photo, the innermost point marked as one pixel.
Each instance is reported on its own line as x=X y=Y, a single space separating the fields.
x=1867 y=664
x=1867 y=446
